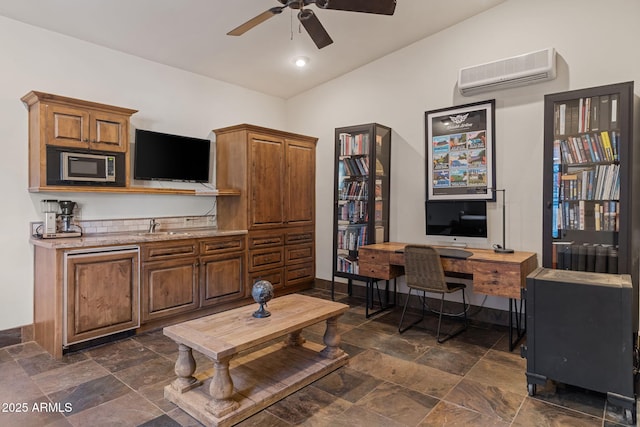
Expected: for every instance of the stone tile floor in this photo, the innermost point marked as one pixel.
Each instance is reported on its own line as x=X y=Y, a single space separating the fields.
x=391 y=380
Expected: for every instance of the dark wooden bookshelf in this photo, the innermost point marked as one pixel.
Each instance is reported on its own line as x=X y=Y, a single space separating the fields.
x=361 y=195
x=591 y=173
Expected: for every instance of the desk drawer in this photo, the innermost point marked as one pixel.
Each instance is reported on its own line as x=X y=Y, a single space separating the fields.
x=497 y=279
x=456 y=265
x=380 y=271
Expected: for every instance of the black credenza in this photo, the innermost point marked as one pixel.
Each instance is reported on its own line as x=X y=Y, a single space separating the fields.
x=580 y=332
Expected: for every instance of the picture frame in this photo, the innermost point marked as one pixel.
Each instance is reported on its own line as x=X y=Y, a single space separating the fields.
x=460 y=152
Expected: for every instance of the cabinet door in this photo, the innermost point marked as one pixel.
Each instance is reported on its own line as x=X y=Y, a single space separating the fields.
x=222 y=278
x=267 y=181
x=67 y=126
x=300 y=185
x=102 y=294
x=109 y=132
x=169 y=287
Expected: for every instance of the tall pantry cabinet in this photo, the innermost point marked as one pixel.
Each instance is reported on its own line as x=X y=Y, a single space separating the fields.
x=275 y=173
x=591 y=217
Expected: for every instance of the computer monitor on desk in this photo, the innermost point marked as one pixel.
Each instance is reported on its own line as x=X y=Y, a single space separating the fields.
x=456 y=223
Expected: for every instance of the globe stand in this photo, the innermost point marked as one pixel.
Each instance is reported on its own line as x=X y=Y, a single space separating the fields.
x=261 y=312
x=262 y=292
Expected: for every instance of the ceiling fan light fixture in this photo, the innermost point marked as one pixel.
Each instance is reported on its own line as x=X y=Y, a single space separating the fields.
x=301 y=61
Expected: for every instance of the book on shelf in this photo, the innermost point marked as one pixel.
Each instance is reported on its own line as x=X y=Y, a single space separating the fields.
x=613 y=119
x=604 y=112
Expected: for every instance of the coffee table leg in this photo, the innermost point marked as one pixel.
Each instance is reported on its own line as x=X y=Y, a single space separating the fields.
x=185 y=367
x=294 y=339
x=332 y=340
x=221 y=389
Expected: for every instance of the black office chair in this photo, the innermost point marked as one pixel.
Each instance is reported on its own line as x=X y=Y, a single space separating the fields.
x=423 y=272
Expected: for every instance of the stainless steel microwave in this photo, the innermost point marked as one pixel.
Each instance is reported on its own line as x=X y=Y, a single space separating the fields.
x=71 y=167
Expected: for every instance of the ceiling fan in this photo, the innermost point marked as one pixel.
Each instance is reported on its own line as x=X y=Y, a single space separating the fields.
x=310 y=21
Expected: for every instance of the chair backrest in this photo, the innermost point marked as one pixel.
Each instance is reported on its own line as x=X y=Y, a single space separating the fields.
x=423 y=268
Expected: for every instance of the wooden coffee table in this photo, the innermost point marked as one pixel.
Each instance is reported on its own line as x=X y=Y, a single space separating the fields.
x=252 y=381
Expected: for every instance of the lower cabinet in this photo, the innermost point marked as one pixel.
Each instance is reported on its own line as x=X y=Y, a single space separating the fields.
x=283 y=256
x=169 y=278
x=182 y=276
x=101 y=293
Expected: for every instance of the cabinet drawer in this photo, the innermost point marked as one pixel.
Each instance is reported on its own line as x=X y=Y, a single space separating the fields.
x=164 y=250
x=221 y=245
x=265 y=239
x=275 y=277
x=295 y=254
x=260 y=259
x=497 y=279
x=298 y=235
x=300 y=273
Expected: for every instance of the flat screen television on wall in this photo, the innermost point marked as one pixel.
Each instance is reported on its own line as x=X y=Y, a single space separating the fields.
x=457 y=218
x=161 y=156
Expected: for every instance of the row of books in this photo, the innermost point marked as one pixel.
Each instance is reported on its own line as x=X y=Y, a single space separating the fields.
x=354 y=144
x=347 y=264
x=353 y=211
x=585 y=257
x=586 y=115
x=601 y=182
x=590 y=148
x=354 y=190
x=351 y=237
x=589 y=216
x=356 y=166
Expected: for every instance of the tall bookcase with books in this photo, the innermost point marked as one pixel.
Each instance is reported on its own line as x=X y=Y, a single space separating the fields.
x=591 y=175
x=361 y=194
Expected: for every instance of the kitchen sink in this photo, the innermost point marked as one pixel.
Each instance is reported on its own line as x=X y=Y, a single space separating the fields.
x=161 y=233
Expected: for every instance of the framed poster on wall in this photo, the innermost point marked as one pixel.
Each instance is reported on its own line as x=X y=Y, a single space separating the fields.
x=459 y=147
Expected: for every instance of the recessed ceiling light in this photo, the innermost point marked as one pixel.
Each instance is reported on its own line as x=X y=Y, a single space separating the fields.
x=301 y=61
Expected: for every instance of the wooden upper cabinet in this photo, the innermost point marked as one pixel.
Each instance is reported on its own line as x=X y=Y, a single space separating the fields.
x=59 y=121
x=86 y=129
x=267 y=178
x=275 y=172
x=300 y=183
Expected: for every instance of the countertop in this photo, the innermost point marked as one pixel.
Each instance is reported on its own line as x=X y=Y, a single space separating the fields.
x=133 y=237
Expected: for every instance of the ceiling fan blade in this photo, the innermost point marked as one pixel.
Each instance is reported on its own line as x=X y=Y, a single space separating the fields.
x=316 y=31
x=240 y=30
x=380 y=7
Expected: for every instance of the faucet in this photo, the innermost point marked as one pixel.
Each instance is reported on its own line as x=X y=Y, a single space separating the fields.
x=153 y=224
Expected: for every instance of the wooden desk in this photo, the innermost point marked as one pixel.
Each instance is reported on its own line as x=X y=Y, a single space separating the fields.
x=496 y=274
x=502 y=275
x=261 y=377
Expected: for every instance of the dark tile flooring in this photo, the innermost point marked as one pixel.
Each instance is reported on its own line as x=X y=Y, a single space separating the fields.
x=391 y=380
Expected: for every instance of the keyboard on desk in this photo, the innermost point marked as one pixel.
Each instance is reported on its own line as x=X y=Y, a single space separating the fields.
x=448 y=253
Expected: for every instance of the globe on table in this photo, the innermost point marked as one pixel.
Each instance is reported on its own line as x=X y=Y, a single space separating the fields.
x=262 y=292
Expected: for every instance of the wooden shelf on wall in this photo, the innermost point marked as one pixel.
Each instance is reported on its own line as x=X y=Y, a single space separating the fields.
x=135 y=190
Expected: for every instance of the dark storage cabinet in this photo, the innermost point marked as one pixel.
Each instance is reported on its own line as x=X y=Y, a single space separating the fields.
x=579 y=332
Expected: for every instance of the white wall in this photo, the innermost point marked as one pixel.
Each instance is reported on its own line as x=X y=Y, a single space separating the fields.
x=596 y=44
x=168 y=100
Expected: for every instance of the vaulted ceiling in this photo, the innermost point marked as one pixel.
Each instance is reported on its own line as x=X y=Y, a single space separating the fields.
x=192 y=35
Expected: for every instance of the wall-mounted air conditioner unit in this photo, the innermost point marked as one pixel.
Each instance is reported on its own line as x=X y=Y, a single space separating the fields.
x=519 y=70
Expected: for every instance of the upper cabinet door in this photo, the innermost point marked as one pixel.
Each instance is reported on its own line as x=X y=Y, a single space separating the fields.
x=300 y=183
x=109 y=132
x=267 y=171
x=67 y=126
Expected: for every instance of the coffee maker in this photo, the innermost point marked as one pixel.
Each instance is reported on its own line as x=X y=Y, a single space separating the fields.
x=58 y=216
